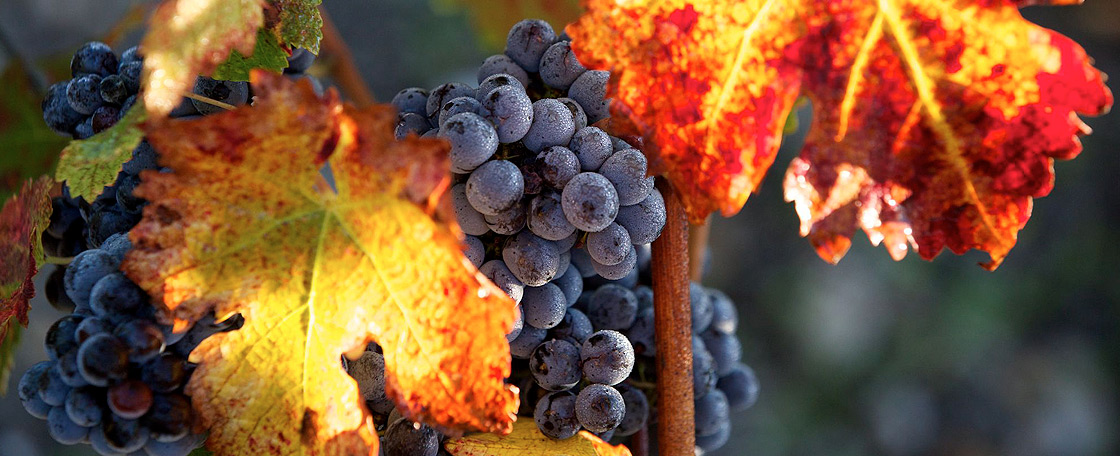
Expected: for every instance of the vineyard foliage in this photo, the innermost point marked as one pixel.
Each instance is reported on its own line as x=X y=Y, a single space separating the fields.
x=935 y=123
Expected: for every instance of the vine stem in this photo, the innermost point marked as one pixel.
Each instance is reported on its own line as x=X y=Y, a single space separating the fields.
x=697 y=244
x=341 y=64
x=210 y=101
x=676 y=429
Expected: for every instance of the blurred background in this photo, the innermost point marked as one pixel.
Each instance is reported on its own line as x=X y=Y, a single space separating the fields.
x=870 y=357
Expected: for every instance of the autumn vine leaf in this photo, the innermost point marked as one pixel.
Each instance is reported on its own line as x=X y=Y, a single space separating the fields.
x=247 y=223
x=935 y=123
x=22 y=221
x=527 y=440
x=89 y=165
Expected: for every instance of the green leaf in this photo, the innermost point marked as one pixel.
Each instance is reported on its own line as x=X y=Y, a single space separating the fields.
x=201 y=451
x=300 y=23
x=30 y=148
x=91 y=164
x=267 y=54
x=8 y=352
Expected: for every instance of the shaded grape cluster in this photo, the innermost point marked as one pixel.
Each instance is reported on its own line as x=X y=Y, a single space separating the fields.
x=103 y=89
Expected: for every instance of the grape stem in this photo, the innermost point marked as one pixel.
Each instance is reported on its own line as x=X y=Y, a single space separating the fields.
x=676 y=428
x=697 y=244
x=58 y=260
x=340 y=63
x=210 y=101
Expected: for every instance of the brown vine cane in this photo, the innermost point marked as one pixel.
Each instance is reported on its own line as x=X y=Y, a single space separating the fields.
x=673 y=323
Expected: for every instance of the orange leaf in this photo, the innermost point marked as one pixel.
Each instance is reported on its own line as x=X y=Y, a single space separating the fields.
x=935 y=123
x=527 y=440
x=247 y=223
x=22 y=221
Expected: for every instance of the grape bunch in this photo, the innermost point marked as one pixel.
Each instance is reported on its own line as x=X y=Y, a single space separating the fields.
x=103 y=88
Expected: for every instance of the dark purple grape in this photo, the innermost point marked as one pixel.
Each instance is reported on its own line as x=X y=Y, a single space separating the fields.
x=599 y=408
x=130 y=399
x=555 y=415
x=57 y=112
x=94 y=57
x=169 y=417
x=165 y=373
x=637 y=410
x=102 y=358
x=103 y=118
x=83 y=405
x=84 y=94
x=60 y=337
x=123 y=435
x=555 y=365
x=143 y=338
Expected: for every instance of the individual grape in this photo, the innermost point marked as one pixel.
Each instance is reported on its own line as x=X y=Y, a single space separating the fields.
x=637 y=410
x=300 y=60
x=509 y=221
x=501 y=64
x=612 y=307
x=184 y=110
x=84 y=130
x=114 y=294
x=717 y=440
x=703 y=368
x=458 y=106
x=470 y=220
x=130 y=56
x=35 y=407
x=518 y=325
x=143 y=338
x=439 y=96
x=369 y=372
x=83 y=405
x=590 y=91
x=570 y=283
x=641 y=333
x=711 y=411
x=557 y=165
x=620 y=144
x=592 y=147
x=726 y=351
x=522 y=347
x=90 y=327
x=510 y=110
x=52 y=389
x=84 y=94
x=62 y=430
x=102 y=358
x=626 y=169
x=582 y=261
x=113 y=89
x=701 y=307
x=544 y=306
x=497 y=80
x=552 y=125
x=555 y=415
x=126 y=188
x=164 y=373
x=609 y=246
x=578 y=116
x=180 y=447
x=644 y=220
x=405 y=438
x=412 y=99
x=494 y=187
x=109 y=221
x=590 y=202
x=620 y=270
x=60 y=337
x=740 y=386
x=94 y=57
x=724 y=316
x=67 y=367
x=31 y=380
x=473 y=140
x=475 y=252
x=124 y=435
x=644 y=295
x=411 y=123
x=130 y=75
x=574 y=326
x=534 y=261
x=57 y=112
x=559 y=66
x=555 y=365
x=499 y=273
x=607 y=357
x=117 y=245
x=143 y=157
x=527 y=41
x=599 y=408
x=169 y=418
x=546 y=217
x=130 y=399
x=565 y=261
x=103 y=117
x=234 y=93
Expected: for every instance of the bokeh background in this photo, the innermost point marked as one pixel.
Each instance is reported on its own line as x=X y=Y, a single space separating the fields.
x=869 y=357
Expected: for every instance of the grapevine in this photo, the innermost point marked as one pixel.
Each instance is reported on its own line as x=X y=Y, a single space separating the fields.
x=248 y=263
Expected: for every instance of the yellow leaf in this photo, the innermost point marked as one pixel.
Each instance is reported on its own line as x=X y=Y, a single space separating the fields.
x=247 y=223
x=527 y=440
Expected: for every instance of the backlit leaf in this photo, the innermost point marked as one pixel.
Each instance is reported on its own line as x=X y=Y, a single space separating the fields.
x=22 y=221
x=190 y=37
x=267 y=54
x=527 y=440
x=935 y=123
x=10 y=332
x=247 y=223
x=298 y=23
x=89 y=165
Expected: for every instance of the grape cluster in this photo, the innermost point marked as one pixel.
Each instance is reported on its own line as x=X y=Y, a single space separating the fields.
x=102 y=90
